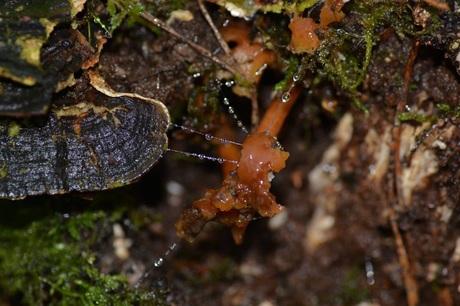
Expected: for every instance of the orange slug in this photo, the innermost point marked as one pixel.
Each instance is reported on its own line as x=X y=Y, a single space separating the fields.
x=244 y=193
x=245 y=190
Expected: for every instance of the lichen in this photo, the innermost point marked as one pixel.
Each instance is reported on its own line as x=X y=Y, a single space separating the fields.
x=13 y=129
x=244 y=8
x=3 y=170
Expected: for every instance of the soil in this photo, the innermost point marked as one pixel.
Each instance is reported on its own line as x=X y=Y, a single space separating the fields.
x=334 y=245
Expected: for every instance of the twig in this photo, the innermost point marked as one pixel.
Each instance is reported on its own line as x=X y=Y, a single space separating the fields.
x=438 y=5
x=409 y=279
x=410 y=283
x=203 y=51
x=206 y=53
x=397 y=128
x=216 y=32
x=223 y=44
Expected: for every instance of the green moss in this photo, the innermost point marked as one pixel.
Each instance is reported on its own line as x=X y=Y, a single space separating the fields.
x=144 y=217
x=224 y=270
x=221 y=271
x=345 y=54
x=417 y=117
x=119 y=10
x=385 y=14
x=352 y=290
x=50 y=260
x=343 y=65
x=203 y=105
x=292 y=66
x=448 y=110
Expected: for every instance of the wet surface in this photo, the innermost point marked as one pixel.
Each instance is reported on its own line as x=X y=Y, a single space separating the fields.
x=334 y=245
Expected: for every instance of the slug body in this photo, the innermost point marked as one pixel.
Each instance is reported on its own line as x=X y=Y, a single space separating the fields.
x=244 y=192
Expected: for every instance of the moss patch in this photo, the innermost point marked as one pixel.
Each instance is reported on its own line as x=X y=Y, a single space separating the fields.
x=52 y=260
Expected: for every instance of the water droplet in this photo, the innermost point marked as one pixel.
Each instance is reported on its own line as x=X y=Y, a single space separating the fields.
x=329 y=168
x=158 y=262
x=196 y=75
x=372 y=169
x=369 y=272
x=229 y=83
x=239 y=124
x=285 y=97
x=261 y=69
x=220 y=160
x=231 y=110
x=208 y=136
x=296 y=77
x=226 y=102
x=201 y=156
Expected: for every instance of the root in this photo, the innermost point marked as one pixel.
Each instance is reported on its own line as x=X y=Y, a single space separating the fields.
x=396 y=194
